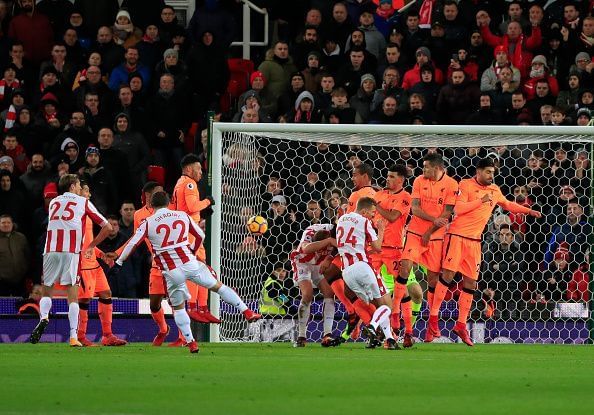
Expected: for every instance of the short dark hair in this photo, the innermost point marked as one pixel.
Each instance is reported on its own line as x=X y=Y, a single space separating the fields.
x=149 y=187
x=189 y=159
x=365 y=168
x=435 y=159
x=112 y=217
x=66 y=181
x=159 y=199
x=485 y=162
x=399 y=169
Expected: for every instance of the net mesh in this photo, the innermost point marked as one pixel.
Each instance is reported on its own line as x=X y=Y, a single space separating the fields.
x=534 y=277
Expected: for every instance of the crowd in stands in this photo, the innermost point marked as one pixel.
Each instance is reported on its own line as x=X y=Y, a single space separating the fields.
x=106 y=88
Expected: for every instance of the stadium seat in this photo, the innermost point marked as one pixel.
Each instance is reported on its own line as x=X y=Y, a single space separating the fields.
x=156 y=174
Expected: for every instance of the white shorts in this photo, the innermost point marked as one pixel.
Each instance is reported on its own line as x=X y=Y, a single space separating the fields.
x=60 y=267
x=193 y=270
x=308 y=272
x=364 y=282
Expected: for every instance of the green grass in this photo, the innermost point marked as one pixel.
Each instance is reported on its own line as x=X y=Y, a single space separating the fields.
x=262 y=379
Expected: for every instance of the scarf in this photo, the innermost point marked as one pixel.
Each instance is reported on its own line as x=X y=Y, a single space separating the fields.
x=148 y=39
x=11 y=117
x=516 y=58
x=299 y=114
x=425 y=14
x=587 y=40
x=14 y=84
x=537 y=73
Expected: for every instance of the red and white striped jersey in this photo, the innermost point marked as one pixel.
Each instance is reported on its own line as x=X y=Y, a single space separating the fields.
x=167 y=230
x=315 y=258
x=353 y=233
x=65 y=228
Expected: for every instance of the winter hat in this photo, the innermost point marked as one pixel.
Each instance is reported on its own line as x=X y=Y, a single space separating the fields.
x=6 y=159
x=424 y=51
x=49 y=98
x=257 y=74
x=499 y=49
x=385 y=1
x=299 y=74
x=170 y=52
x=92 y=150
x=540 y=59
x=584 y=112
x=50 y=190
x=314 y=53
x=68 y=143
x=123 y=13
x=49 y=69
x=279 y=199
x=301 y=97
x=582 y=56
x=367 y=77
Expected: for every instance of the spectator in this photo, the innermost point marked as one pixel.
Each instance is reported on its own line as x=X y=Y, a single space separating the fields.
x=462 y=60
x=518 y=112
x=543 y=96
x=33 y=30
x=78 y=23
x=37 y=175
x=16 y=152
x=277 y=69
x=133 y=146
x=95 y=116
x=545 y=114
x=573 y=233
x=413 y=76
x=120 y=75
x=144 y=12
x=540 y=71
x=93 y=60
x=308 y=43
x=556 y=278
x=480 y=51
x=251 y=102
x=458 y=99
x=14 y=258
x=287 y=100
x=125 y=33
x=391 y=57
x=278 y=241
x=8 y=84
x=304 y=112
x=78 y=131
x=332 y=55
x=74 y=51
x=577 y=289
x=341 y=109
x=414 y=38
x=64 y=68
x=92 y=82
x=486 y=114
x=30 y=305
x=116 y=162
x=213 y=18
x=72 y=155
x=503 y=265
x=427 y=87
x=126 y=222
x=50 y=85
x=97 y=14
x=24 y=68
x=340 y=26
x=390 y=87
x=150 y=47
x=311 y=73
x=389 y=113
x=100 y=179
x=374 y=40
x=27 y=132
x=361 y=101
x=171 y=64
x=13 y=200
x=349 y=75
x=583 y=117
x=173 y=35
x=436 y=43
x=579 y=174
x=568 y=98
x=313 y=188
x=111 y=53
x=491 y=77
x=49 y=120
x=127 y=104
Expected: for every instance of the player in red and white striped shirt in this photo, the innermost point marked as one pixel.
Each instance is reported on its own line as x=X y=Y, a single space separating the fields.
x=313 y=251
x=354 y=233
x=63 y=246
x=168 y=230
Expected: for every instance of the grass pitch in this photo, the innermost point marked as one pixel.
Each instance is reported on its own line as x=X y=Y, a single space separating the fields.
x=240 y=379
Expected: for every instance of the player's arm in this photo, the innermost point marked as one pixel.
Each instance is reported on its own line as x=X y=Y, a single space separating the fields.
x=97 y=218
x=133 y=243
x=439 y=222
x=193 y=202
x=196 y=232
x=464 y=206
x=513 y=207
x=420 y=213
x=391 y=215
x=376 y=244
x=311 y=247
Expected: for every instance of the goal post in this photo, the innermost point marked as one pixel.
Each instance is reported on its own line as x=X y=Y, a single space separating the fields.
x=247 y=157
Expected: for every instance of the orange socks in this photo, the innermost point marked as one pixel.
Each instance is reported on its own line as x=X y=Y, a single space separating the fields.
x=364 y=311
x=159 y=318
x=464 y=304
x=105 y=307
x=406 y=305
x=399 y=293
x=338 y=288
x=202 y=297
x=83 y=319
x=441 y=290
x=430 y=293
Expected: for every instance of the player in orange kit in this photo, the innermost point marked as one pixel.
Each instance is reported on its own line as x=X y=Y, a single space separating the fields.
x=433 y=198
x=476 y=200
x=393 y=204
x=186 y=198
x=93 y=282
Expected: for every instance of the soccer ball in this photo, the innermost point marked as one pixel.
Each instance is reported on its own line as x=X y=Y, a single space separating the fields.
x=257 y=225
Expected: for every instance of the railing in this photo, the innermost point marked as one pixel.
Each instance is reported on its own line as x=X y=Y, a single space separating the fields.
x=246 y=38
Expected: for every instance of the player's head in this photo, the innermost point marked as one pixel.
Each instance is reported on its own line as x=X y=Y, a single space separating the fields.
x=366 y=207
x=397 y=174
x=485 y=171
x=190 y=166
x=69 y=183
x=85 y=190
x=321 y=235
x=148 y=189
x=362 y=175
x=159 y=200
x=432 y=165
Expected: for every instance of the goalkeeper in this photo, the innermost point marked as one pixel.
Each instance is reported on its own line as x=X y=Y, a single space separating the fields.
x=274 y=298
x=412 y=285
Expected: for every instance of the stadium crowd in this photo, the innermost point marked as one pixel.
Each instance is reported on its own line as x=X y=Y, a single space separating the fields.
x=105 y=89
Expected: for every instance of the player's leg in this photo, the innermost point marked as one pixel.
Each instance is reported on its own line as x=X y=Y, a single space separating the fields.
x=198 y=304
x=464 y=306
x=333 y=276
x=328 y=312
x=381 y=320
x=45 y=305
x=73 y=310
x=416 y=295
x=86 y=288
x=178 y=295
x=105 y=306
x=205 y=276
x=157 y=291
x=304 y=309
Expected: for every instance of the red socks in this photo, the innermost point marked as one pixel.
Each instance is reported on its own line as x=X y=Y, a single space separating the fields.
x=105 y=307
x=159 y=318
x=464 y=305
x=441 y=290
x=83 y=319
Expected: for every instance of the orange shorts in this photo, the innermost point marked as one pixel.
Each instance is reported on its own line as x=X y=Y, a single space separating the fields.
x=201 y=253
x=92 y=281
x=157 y=284
x=337 y=262
x=429 y=256
x=389 y=257
x=462 y=255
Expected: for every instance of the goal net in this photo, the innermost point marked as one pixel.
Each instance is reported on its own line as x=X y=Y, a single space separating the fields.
x=534 y=285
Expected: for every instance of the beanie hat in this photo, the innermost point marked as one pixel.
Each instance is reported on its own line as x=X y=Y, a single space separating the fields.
x=92 y=150
x=540 y=59
x=424 y=51
x=499 y=49
x=123 y=13
x=170 y=52
x=582 y=56
x=367 y=77
x=257 y=74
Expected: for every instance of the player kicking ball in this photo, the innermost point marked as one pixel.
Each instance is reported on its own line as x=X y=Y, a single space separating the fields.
x=474 y=206
x=168 y=230
x=353 y=232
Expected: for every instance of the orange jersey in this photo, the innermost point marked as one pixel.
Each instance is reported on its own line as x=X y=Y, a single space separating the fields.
x=89 y=262
x=471 y=214
x=393 y=235
x=366 y=191
x=186 y=198
x=434 y=196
